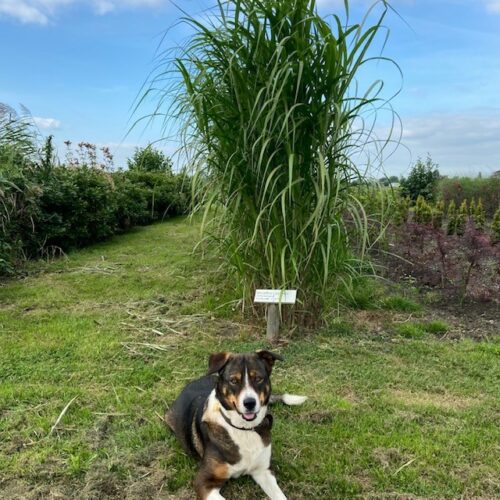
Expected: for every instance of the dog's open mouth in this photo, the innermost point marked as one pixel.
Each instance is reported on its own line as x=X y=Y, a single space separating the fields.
x=249 y=416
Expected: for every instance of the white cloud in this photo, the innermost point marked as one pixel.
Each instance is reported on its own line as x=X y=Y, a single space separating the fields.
x=46 y=123
x=43 y=11
x=493 y=6
x=23 y=11
x=461 y=143
x=335 y=4
x=105 y=6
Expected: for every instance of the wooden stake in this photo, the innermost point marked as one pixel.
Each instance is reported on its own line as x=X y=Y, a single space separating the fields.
x=273 y=322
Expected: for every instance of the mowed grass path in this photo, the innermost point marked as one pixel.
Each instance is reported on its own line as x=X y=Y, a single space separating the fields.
x=123 y=325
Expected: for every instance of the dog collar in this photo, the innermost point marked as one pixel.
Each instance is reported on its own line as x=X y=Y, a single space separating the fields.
x=235 y=426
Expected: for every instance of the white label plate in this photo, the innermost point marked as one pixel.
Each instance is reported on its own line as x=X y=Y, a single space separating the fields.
x=275 y=296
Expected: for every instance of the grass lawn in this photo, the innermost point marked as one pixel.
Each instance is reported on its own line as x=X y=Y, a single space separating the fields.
x=396 y=411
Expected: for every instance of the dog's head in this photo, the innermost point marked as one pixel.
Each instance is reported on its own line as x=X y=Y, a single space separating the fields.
x=244 y=384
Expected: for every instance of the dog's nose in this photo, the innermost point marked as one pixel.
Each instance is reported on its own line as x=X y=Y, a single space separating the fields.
x=249 y=403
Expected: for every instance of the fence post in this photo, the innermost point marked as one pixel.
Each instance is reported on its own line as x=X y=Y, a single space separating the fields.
x=273 y=322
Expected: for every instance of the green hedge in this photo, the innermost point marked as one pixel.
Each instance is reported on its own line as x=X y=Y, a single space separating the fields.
x=459 y=189
x=46 y=212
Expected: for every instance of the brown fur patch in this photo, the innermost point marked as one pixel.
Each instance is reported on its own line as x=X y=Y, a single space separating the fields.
x=213 y=473
x=220 y=471
x=264 y=394
x=233 y=400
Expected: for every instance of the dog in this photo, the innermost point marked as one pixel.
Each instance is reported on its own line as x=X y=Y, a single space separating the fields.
x=221 y=419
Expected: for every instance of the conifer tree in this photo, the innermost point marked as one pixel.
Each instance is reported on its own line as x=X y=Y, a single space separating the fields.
x=452 y=218
x=480 y=215
x=462 y=217
x=495 y=226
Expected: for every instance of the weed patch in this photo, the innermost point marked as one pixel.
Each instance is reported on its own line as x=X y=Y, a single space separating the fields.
x=410 y=330
x=401 y=304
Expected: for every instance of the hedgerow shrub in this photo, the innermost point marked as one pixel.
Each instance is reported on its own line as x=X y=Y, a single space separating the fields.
x=466 y=188
x=47 y=209
x=68 y=207
x=77 y=207
x=167 y=194
x=149 y=159
x=132 y=202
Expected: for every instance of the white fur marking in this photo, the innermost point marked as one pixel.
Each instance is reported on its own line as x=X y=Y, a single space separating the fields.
x=254 y=455
x=293 y=399
x=215 y=495
x=268 y=483
x=248 y=392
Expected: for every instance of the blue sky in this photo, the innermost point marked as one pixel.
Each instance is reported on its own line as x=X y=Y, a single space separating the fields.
x=79 y=65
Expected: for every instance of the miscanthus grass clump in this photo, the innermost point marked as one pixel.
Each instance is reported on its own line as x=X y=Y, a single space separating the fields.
x=273 y=119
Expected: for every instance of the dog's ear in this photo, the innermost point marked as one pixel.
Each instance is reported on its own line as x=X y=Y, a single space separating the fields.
x=217 y=361
x=269 y=358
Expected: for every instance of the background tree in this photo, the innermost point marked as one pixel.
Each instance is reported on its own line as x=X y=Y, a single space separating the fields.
x=387 y=181
x=149 y=159
x=422 y=181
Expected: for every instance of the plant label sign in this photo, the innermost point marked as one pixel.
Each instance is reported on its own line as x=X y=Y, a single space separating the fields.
x=275 y=296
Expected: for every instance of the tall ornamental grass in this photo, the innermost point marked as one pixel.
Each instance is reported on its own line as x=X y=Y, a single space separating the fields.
x=274 y=119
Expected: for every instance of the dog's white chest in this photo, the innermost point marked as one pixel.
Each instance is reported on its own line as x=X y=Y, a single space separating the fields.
x=254 y=455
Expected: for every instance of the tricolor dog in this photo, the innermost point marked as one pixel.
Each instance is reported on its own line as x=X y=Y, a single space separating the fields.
x=222 y=420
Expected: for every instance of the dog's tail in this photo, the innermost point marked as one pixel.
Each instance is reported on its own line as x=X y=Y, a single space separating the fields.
x=288 y=399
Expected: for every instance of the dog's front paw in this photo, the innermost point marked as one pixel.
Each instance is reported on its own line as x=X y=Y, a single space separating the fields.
x=215 y=495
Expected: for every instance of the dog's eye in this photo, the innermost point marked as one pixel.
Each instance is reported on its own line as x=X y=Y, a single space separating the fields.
x=259 y=380
x=233 y=381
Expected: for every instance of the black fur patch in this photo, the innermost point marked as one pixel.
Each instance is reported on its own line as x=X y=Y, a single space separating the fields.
x=264 y=429
x=184 y=417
